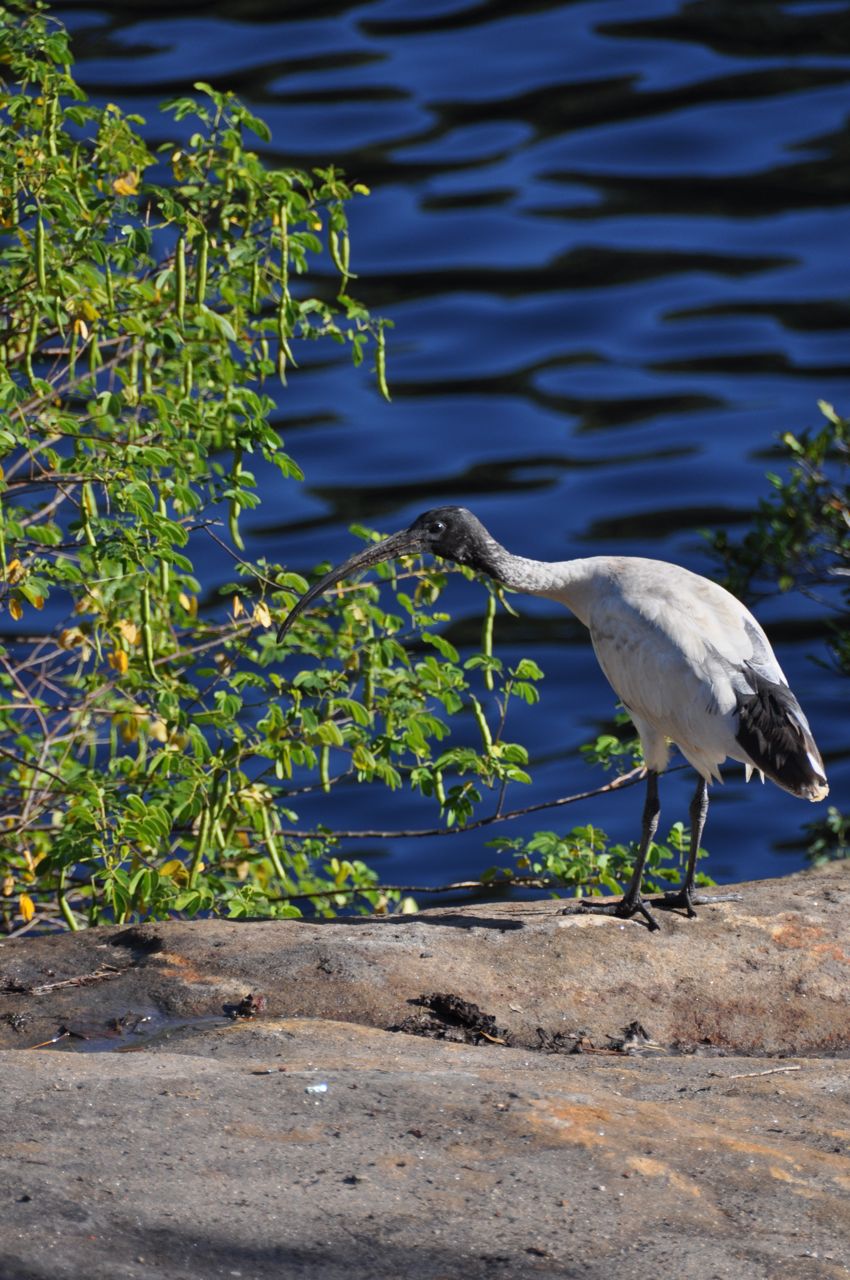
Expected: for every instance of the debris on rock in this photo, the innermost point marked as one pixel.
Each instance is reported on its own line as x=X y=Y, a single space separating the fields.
x=450 y=1017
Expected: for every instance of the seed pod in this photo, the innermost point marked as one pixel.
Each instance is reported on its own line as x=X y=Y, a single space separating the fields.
x=133 y=374
x=271 y=842
x=381 y=364
x=88 y=508
x=483 y=726
x=283 y=220
x=340 y=254
x=40 y=269
x=14 y=208
x=180 y=278
x=31 y=342
x=201 y=286
x=235 y=506
x=201 y=843
x=147 y=634
x=50 y=109
x=487 y=638
x=164 y=566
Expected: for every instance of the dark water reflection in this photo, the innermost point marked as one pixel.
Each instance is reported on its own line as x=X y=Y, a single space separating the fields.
x=613 y=238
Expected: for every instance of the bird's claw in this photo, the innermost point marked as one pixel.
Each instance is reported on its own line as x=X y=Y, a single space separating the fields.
x=686 y=899
x=624 y=909
x=674 y=898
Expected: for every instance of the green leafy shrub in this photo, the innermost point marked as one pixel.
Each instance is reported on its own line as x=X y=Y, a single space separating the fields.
x=143 y=322
x=154 y=743
x=584 y=861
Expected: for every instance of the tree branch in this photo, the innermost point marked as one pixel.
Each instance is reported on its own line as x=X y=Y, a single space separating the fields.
x=616 y=784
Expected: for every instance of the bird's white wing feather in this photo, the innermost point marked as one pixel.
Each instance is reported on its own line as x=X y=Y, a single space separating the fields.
x=673 y=645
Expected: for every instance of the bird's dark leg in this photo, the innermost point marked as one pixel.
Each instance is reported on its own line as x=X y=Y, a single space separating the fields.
x=684 y=897
x=631 y=902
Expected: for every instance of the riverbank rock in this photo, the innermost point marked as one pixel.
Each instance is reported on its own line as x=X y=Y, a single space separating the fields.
x=498 y=1091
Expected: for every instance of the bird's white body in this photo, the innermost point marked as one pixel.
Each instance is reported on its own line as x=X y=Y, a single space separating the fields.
x=672 y=645
x=678 y=649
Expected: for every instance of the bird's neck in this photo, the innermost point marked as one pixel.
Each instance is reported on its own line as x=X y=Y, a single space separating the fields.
x=568 y=581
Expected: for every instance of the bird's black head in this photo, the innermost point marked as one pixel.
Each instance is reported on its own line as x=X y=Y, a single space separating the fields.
x=451 y=532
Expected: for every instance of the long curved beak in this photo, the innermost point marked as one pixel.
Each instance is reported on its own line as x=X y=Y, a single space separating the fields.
x=405 y=543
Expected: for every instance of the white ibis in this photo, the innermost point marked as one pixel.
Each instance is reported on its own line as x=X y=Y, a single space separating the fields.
x=689 y=662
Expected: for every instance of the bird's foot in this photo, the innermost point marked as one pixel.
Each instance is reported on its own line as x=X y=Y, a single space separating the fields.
x=688 y=899
x=623 y=909
x=680 y=898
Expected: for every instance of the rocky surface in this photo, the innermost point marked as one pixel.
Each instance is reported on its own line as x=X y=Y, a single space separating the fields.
x=501 y=1091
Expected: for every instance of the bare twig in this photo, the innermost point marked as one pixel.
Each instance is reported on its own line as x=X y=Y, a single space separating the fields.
x=616 y=784
x=82 y=980
x=507 y=882
x=267 y=582
x=745 y=1075
x=30 y=764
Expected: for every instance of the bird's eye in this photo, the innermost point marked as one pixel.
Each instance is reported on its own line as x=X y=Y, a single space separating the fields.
x=437 y=526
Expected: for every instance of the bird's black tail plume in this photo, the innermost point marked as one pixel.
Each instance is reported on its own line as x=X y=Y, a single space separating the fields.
x=776 y=736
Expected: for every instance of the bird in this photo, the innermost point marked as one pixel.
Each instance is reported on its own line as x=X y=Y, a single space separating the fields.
x=688 y=661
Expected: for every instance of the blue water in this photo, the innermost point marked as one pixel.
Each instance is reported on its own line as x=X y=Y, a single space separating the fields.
x=613 y=239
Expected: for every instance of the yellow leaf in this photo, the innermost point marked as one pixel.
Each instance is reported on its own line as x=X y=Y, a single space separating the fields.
x=127 y=184
x=90 y=603
x=72 y=636
x=243 y=870
x=8 y=886
x=189 y=603
x=38 y=602
x=128 y=631
x=158 y=731
x=119 y=661
x=261 y=614
x=317 y=226
x=128 y=727
x=175 y=869
x=26 y=906
x=81 y=328
x=242 y=840
x=15 y=608
x=238 y=607
x=14 y=570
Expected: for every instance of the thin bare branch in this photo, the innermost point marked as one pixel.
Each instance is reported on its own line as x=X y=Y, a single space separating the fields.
x=456 y=886
x=616 y=784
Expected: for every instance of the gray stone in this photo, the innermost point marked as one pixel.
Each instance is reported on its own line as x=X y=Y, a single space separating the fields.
x=701 y=1131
